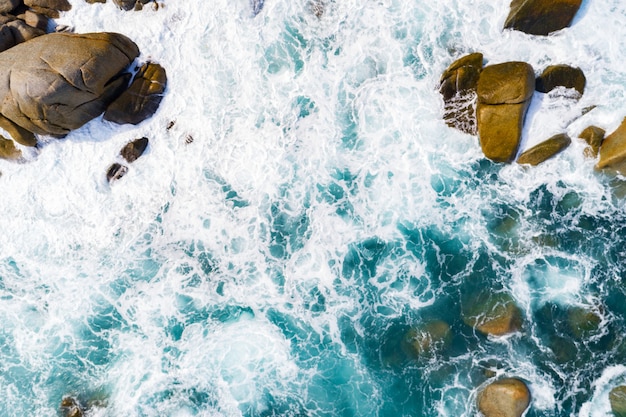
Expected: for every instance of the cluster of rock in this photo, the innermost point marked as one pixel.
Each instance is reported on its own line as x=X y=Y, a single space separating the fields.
x=54 y=82
x=130 y=153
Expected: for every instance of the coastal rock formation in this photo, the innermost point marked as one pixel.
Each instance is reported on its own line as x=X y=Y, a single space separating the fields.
x=458 y=88
x=8 y=150
x=594 y=136
x=617 y=398
x=561 y=75
x=8 y=5
x=613 y=150
x=71 y=407
x=545 y=150
x=507 y=397
x=504 y=94
x=141 y=99
x=427 y=338
x=55 y=83
x=14 y=31
x=541 y=17
x=492 y=314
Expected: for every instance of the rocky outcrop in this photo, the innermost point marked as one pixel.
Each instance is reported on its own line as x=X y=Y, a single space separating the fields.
x=141 y=99
x=458 y=88
x=545 y=150
x=427 y=338
x=617 y=399
x=504 y=94
x=561 y=75
x=507 y=397
x=8 y=5
x=14 y=31
x=8 y=150
x=492 y=314
x=613 y=150
x=55 y=83
x=71 y=407
x=594 y=136
x=541 y=17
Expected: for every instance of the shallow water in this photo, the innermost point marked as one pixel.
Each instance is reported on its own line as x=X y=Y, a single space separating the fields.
x=271 y=250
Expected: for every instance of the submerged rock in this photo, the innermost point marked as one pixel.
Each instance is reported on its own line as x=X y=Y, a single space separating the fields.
x=613 y=150
x=504 y=94
x=594 y=136
x=583 y=321
x=545 y=150
x=507 y=397
x=55 y=83
x=617 y=398
x=541 y=17
x=141 y=99
x=458 y=88
x=133 y=150
x=71 y=407
x=427 y=338
x=492 y=314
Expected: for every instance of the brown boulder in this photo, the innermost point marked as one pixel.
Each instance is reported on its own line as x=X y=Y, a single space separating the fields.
x=458 y=88
x=8 y=5
x=116 y=171
x=541 y=17
x=133 y=150
x=36 y=20
x=594 y=136
x=561 y=75
x=545 y=150
x=61 y=5
x=507 y=397
x=425 y=339
x=613 y=150
x=504 y=94
x=617 y=399
x=55 y=83
x=141 y=99
x=14 y=31
x=492 y=314
x=8 y=149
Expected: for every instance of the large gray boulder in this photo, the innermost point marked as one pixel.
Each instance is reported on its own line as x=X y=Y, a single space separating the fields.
x=55 y=83
x=504 y=93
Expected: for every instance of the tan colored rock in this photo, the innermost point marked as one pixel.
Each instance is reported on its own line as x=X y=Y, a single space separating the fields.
x=545 y=150
x=613 y=150
x=61 y=5
x=541 y=17
x=594 y=136
x=16 y=31
x=55 y=83
x=458 y=88
x=504 y=94
x=8 y=5
x=508 y=397
x=561 y=75
x=36 y=20
x=8 y=150
x=617 y=399
x=493 y=314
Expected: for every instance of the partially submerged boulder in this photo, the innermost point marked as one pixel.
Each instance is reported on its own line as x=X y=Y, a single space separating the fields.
x=427 y=338
x=545 y=150
x=71 y=407
x=582 y=321
x=458 y=88
x=594 y=136
x=561 y=75
x=55 y=83
x=617 y=399
x=504 y=94
x=8 y=150
x=133 y=150
x=613 y=150
x=141 y=99
x=116 y=171
x=492 y=314
x=507 y=397
x=541 y=17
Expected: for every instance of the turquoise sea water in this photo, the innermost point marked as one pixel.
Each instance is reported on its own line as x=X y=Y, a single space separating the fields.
x=271 y=251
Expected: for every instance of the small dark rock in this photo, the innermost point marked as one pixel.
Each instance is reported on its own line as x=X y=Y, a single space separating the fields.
x=545 y=150
x=561 y=75
x=170 y=124
x=141 y=99
x=116 y=171
x=133 y=150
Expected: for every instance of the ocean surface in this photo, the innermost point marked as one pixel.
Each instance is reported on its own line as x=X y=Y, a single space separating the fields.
x=272 y=249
